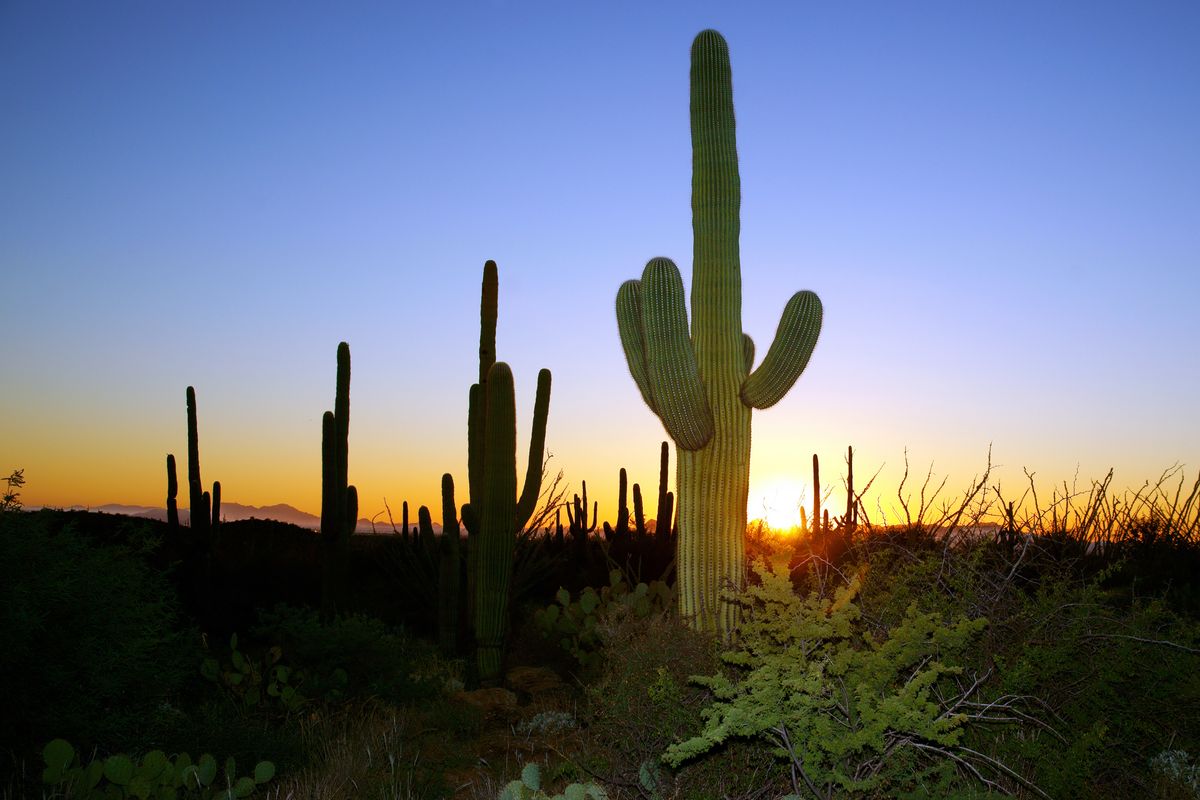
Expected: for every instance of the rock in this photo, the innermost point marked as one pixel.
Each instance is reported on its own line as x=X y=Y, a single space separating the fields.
x=492 y=701
x=534 y=680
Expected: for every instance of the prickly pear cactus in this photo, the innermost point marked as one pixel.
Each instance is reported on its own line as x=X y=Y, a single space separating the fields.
x=699 y=380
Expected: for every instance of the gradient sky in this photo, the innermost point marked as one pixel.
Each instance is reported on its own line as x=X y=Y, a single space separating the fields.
x=998 y=203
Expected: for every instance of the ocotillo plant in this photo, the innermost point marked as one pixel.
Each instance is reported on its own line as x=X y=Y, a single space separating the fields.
x=448 y=570
x=501 y=514
x=172 y=493
x=699 y=381
x=339 y=500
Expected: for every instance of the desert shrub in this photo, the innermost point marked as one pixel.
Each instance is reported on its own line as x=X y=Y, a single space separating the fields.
x=359 y=655
x=852 y=709
x=1114 y=675
x=92 y=651
x=575 y=623
x=642 y=702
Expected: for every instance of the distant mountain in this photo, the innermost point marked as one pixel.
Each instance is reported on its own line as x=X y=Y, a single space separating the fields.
x=232 y=512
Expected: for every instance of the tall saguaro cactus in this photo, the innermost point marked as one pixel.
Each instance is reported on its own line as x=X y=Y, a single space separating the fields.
x=495 y=514
x=699 y=381
x=339 y=500
x=502 y=514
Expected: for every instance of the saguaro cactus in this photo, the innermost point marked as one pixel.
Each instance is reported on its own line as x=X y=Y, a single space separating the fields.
x=339 y=500
x=699 y=382
x=494 y=514
x=502 y=514
x=666 y=500
x=172 y=493
x=448 y=570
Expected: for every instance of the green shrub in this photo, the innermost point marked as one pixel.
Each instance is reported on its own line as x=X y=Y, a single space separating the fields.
x=641 y=702
x=847 y=708
x=575 y=624
x=353 y=655
x=91 y=648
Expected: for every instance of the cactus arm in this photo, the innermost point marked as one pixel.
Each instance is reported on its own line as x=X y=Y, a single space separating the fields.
x=537 y=448
x=476 y=407
x=795 y=338
x=674 y=378
x=748 y=352
x=633 y=340
x=172 y=493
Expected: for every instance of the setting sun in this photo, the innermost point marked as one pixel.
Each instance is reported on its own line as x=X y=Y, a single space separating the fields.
x=776 y=501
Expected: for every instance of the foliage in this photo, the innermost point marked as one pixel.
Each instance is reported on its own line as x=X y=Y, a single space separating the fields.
x=529 y=787
x=93 y=647
x=847 y=708
x=642 y=701
x=265 y=682
x=154 y=776
x=576 y=623
x=352 y=655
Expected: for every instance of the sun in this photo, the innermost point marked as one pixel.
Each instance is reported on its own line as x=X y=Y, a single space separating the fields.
x=777 y=501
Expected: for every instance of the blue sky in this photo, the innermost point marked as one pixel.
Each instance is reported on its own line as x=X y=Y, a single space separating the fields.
x=999 y=205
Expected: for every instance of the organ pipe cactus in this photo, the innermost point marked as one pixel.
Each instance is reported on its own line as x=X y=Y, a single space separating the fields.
x=699 y=381
x=339 y=500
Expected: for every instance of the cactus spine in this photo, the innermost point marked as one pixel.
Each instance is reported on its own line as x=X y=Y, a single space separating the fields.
x=339 y=500
x=495 y=514
x=699 y=382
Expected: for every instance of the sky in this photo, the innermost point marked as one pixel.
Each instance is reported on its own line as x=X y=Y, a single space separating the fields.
x=998 y=204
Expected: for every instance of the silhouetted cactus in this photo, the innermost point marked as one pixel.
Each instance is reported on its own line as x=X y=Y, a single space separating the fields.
x=197 y=507
x=816 y=492
x=699 y=381
x=495 y=514
x=666 y=500
x=448 y=570
x=577 y=521
x=621 y=529
x=502 y=514
x=850 y=521
x=339 y=500
x=172 y=493
x=639 y=514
